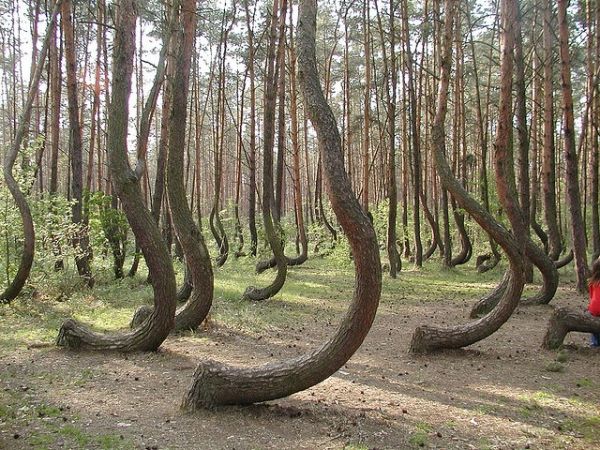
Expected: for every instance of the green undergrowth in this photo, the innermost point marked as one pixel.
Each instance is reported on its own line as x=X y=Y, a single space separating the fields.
x=319 y=290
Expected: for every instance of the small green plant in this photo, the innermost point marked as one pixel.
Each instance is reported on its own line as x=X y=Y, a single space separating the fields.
x=554 y=366
x=562 y=357
x=584 y=382
x=419 y=437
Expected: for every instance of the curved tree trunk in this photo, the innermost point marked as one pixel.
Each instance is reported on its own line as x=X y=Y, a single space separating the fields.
x=487 y=262
x=565 y=260
x=253 y=293
x=216 y=226
x=197 y=258
x=186 y=288
x=546 y=293
x=565 y=320
x=16 y=285
x=435 y=232
x=154 y=330
x=548 y=160
x=428 y=338
x=505 y=180
x=214 y=383
x=466 y=248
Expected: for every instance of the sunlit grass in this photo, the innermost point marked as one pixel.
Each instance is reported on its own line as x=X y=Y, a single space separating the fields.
x=321 y=289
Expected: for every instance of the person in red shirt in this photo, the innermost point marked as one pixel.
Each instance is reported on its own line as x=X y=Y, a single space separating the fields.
x=594 y=306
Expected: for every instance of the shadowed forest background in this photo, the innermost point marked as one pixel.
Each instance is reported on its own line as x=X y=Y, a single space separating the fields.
x=350 y=225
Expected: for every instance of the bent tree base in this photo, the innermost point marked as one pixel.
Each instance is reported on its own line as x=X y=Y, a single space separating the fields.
x=217 y=384
x=565 y=320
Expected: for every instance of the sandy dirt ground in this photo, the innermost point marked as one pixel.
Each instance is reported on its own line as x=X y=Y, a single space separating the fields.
x=503 y=393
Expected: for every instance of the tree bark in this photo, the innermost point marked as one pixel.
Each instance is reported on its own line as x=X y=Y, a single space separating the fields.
x=548 y=161
x=428 y=338
x=272 y=235
x=197 y=258
x=153 y=331
x=565 y=320
x=252 y=142
x=82 y=257
x=20 y=278
x=570 y=152
x=216 y=384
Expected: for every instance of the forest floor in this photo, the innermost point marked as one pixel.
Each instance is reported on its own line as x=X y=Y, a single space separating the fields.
x=502 y=393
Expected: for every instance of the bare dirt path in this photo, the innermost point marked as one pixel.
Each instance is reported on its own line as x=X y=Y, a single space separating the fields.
x=504 y=393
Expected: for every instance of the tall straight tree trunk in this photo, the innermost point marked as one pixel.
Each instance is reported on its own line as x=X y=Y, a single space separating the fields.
x=252 y=138
x=570 y=152
x=366 y=144
x=548 y=161
x=153 y=331
x=81 y=242
x=54 y=61
x=595 y=136
x=416 y=141
x=281 y=138
x=391 y=82
x=94 y=115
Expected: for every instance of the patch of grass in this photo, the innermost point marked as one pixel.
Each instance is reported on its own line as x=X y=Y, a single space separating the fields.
x=484 y=444
x=562 y=357
x=485 y=409
x=530 y=405
x=420 y=435
x=40 y=441
x=555 y=366
x=354 y=446
x=586 y=427
x=75 y=434
x=584 y=382
x=47 y=411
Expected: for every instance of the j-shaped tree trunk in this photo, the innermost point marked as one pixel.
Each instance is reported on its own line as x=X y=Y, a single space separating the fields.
x=429 y=338
x=505 y=175
x=216 y=384
x=16 y=285
x=216 y=225
x=549 y=150
x=466 y=250
x=198 y=274
x=153 y=331
x=271 y=233
x=197 y=258
x=294 y=133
